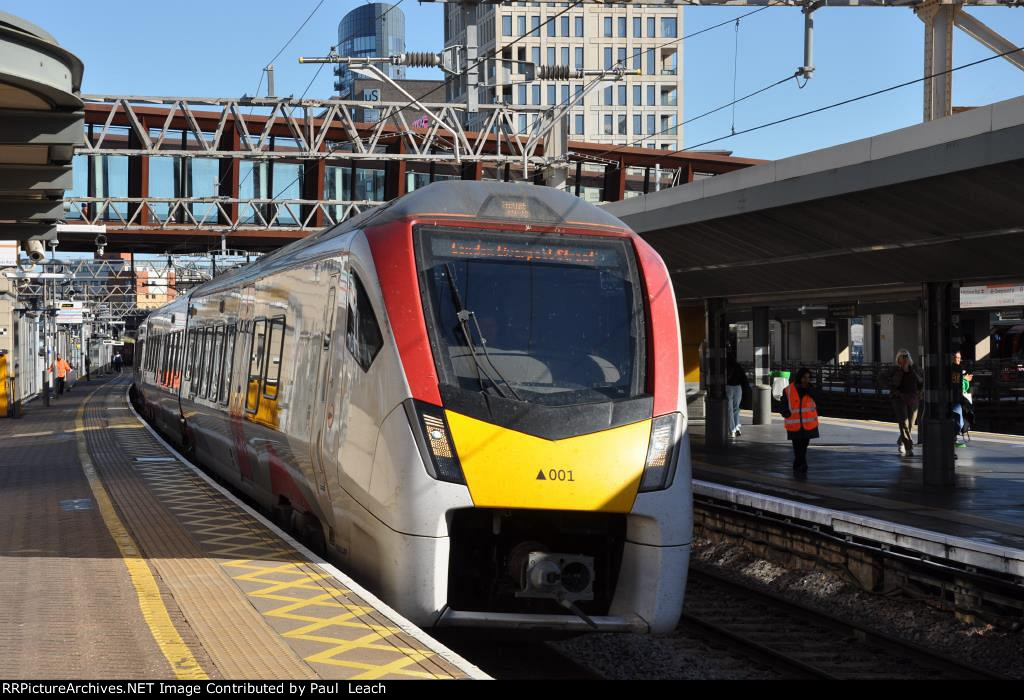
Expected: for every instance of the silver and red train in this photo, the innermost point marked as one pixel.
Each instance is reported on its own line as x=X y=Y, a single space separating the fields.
x=470 y=398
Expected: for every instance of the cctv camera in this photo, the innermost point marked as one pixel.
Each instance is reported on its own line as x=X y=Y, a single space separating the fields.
x=35 y=251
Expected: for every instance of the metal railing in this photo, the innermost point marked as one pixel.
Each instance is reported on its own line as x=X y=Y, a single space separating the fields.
x=861 y=390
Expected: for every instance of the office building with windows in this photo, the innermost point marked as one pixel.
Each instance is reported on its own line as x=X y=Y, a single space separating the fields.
x=645 y=110
x=373 y=29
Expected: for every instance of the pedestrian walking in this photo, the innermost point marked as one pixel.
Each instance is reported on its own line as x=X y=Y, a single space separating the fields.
x=61 y=367
x=118 y=362
x=799 y=407
x=905 y=384
x=736 y=385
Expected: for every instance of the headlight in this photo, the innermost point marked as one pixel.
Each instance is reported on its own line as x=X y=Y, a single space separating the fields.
x=430 y=430
x=662 y=451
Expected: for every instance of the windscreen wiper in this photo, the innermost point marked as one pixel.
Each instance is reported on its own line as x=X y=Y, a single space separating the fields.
x=464 y=316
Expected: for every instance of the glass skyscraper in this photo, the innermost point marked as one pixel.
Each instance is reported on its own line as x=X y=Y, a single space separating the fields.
x=374 y=29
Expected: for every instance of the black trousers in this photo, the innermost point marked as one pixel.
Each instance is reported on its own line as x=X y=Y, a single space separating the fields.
x=60 y=386
x=800 y=444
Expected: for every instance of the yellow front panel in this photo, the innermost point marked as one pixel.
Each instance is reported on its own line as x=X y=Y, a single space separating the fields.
x=599 y=471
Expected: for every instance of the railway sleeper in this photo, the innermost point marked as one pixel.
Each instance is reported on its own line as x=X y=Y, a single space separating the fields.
x=973 y=596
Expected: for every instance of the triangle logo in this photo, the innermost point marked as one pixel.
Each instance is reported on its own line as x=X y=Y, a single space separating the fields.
x=540 y=476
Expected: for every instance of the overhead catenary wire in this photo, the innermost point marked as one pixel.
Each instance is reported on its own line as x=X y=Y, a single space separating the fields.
x=573 y=5
x=387 y=11
x=494 y=52
x=851 y=100
x=708 y=113
x=691 y=35
x=450 y=80
x=315 y=76
x=286 y=44
x=497 y=50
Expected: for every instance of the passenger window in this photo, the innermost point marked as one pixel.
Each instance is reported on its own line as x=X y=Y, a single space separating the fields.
x=176 y=365
x=275 y=352
x=172 y=347
x=362 y=336
x=213 y=373
x=204 y=351
x=190 y=353
x=228 y=362
x=165 y=342
x=257 y=348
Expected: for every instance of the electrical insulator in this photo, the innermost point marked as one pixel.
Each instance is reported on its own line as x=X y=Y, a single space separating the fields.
x=421 y=59
x=555 y=72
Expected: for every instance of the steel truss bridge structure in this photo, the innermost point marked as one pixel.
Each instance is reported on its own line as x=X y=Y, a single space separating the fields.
x=252 y=211
x=116 y=289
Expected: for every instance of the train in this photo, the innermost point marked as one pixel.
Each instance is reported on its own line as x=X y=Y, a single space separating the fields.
x=470 y=398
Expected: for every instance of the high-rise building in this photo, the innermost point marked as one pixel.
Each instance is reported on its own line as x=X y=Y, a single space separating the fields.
x=374 y=29
x=645 y=110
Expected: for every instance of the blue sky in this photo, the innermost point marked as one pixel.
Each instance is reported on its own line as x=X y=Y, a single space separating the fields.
x=218 y=48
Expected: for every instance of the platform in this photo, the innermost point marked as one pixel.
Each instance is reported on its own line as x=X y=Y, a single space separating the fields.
x=856 y=476
x=118 y=560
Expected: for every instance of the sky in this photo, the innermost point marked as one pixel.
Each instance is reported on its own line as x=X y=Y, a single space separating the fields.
x=217 y=49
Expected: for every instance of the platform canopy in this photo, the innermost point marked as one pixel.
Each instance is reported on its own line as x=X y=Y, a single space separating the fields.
x=41 y=121
x=939 y=201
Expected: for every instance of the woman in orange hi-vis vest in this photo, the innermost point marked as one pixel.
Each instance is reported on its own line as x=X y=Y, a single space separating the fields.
x=61 y=367
x=800 y=410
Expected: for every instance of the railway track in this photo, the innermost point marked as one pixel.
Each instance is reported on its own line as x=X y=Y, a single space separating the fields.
x=507 y=656
x=799 y=642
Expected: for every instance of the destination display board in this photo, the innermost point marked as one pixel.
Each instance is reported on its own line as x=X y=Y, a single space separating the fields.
x=986 y=296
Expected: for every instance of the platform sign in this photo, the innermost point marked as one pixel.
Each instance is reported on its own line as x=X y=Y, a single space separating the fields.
x=8 y=253
x=992 y=296
x=69 y=311
x=842 y=310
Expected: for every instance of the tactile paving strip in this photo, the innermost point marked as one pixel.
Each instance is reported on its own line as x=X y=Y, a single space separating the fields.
x=238 y=641
x=329 y=627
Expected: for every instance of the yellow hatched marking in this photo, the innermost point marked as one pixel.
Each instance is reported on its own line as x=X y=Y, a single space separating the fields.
x=251 y=554
x=377 y=635
x=151 y=603
x=398 y=667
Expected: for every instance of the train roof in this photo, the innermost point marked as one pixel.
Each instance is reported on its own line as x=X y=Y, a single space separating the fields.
x=496 y=201
x=459 y=199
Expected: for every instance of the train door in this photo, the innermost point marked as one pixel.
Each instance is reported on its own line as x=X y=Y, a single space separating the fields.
x=243 y=349
x=328 y=383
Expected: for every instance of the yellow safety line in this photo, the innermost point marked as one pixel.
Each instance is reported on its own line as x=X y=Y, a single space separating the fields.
x=151 y=602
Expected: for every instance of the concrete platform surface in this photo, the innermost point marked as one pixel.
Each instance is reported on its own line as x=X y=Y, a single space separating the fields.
x=855 y=468
x=118 y=560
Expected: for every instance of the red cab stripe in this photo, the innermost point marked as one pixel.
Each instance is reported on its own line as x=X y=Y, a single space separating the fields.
x=664 y=345
x=391 y=245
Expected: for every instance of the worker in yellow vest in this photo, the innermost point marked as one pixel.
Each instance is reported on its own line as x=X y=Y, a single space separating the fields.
x=61 y=367
x=800 y=410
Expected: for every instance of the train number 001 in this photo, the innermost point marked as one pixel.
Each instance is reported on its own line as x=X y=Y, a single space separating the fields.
x=560 y=475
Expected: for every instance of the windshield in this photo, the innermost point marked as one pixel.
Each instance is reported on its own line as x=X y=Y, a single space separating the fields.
x=551 y=319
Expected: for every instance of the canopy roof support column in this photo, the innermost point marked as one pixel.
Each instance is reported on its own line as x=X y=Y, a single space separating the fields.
x=938 y=424
x=716 y=423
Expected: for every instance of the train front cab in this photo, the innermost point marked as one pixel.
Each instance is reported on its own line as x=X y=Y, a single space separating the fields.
x=545 y=372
